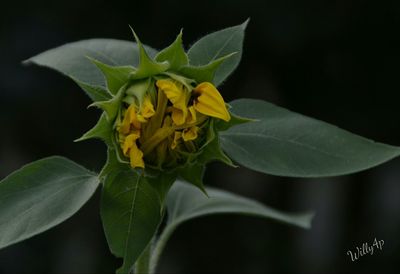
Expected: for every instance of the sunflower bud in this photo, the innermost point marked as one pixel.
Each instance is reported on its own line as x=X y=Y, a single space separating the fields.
x=164 y=114
x=162 y=130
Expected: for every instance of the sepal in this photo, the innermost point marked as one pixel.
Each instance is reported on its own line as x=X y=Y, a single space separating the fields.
x=103 y=130
x=221 y=125
x=147 y=67
x=112 y=106
x=193 y=174
x=174 y=54
x=96 y=93
x=115 y=77
x=204 y=73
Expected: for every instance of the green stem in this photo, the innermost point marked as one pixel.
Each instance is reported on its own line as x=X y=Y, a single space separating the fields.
x=159 y=248
x=142 y=265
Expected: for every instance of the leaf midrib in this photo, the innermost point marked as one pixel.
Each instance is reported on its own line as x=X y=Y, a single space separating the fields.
x=131 y=218
x=293 y=142
x=224 y=45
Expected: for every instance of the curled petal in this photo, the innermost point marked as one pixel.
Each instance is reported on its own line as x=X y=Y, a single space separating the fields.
x=190 y=134
x=147 y=108
x=130 y=141
x=130 y=118
x=171 y=90
x=179 y=116
x=192 y=117
x=130 y=148
x=178 y=96
x=136 y=157
x=176 y=140
x=210 y=102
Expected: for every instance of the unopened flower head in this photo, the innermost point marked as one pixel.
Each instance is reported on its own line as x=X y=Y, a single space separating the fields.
x=163 y=114
x=163 y=121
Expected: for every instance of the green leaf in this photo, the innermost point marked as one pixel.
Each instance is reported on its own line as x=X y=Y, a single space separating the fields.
x=116 y=76
x=185 y=202
x=216 y=45
x=71 y=60
x=289 y=144
x=205 y=73
x=41 y=195
x=174 y=54
x=131 y=213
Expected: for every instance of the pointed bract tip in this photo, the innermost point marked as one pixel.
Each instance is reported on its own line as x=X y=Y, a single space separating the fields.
x=180 y=34
x=140 y=45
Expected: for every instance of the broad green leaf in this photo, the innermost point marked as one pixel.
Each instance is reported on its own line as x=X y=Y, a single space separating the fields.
x=71 y=60
x=185 y=202
x=131 y=213
x=216 y=45
x=289 y=144
x=41 y=195
x=174 y=54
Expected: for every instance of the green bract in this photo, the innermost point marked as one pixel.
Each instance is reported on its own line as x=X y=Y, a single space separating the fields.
x=163 y=120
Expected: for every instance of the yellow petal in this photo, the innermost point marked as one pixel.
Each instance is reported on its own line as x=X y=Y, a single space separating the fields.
x=171 y=90
x=210 y=102
x=125 y=126
x=136 y=157
x=147 y=108
x=179 y=116
x=141 y=119
x=156 y=121
x=130 y=141
x=160 y=135
x=177 y=137
x=130 y=118
x=192 y=117
x=190 y=134
x=178 y=96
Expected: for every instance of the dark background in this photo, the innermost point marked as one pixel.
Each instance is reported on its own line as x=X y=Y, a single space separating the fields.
x=337 y=61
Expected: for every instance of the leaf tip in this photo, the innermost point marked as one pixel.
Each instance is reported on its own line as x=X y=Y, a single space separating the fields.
x=245 y=23
x=27 y=62
x=308 y=218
